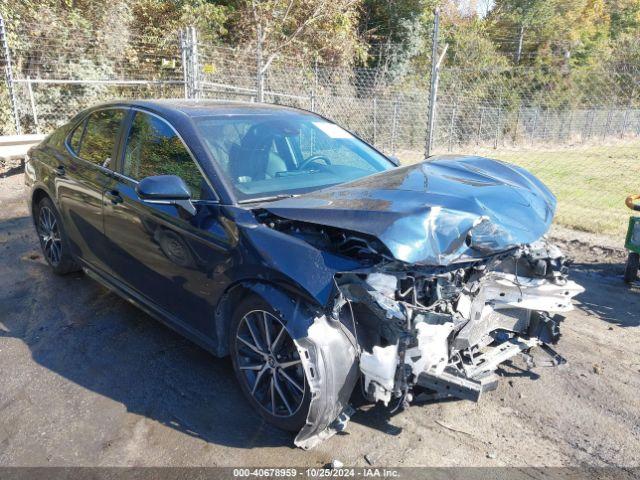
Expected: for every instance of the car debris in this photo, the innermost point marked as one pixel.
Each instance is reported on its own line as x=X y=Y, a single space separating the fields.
x=453 y=429
x=371 y=458
x=450 y=276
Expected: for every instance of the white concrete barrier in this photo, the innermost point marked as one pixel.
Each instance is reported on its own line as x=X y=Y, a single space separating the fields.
x=16 y=146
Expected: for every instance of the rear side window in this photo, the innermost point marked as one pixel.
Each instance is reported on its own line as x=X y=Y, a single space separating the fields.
x=153 y=148
x=98 y=142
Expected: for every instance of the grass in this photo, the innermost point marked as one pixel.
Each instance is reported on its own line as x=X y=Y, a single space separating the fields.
x=590 y=182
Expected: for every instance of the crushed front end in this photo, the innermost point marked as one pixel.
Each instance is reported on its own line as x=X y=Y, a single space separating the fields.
x=447 y=329
x=449 y=276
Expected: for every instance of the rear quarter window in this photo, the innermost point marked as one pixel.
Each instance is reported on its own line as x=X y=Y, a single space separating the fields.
x=97 y=143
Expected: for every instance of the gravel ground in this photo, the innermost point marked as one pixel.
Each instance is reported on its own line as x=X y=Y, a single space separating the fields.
x=87 y=379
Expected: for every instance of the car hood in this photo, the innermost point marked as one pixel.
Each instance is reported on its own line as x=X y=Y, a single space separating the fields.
x=444 y=210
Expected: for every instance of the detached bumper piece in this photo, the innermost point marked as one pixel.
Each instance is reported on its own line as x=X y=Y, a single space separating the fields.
x=481 y=378
x=449 y=384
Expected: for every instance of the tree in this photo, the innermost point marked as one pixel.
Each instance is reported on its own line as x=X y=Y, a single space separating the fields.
x=548 y=30
x=321 y=29
x=396 y=31
x=324 y=28
x=157 y=18
x=625 y=17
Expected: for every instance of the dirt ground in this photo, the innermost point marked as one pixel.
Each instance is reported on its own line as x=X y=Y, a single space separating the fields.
x=87 y=379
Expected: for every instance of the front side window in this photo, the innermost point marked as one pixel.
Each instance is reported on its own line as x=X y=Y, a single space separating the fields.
x=153 y=148
x=97 y=142
x=280 y=153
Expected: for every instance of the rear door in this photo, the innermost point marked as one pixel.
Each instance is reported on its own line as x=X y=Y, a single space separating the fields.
x=159 y=252
x=81 y=181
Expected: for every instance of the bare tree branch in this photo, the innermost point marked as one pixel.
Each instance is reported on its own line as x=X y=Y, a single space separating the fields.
x=269 y=22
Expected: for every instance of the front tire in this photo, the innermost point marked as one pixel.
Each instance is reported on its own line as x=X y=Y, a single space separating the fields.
x=53 y=238
x=268 y=366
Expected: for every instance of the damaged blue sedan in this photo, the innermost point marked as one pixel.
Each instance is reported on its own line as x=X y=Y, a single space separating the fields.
x=315 y=262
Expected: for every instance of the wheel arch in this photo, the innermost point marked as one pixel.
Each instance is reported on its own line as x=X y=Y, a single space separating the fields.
x=37 y=195
x=283 y=298
x=329 y=354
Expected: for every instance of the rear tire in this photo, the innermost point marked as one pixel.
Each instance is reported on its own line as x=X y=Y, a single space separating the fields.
x=267 y=365
x=53 y=238
x=631 y=268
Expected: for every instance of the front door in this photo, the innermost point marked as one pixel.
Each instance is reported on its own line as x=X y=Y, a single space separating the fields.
x=81 y=181
x=160 y=252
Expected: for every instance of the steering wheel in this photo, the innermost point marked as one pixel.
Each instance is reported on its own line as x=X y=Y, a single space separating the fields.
x=313 y=158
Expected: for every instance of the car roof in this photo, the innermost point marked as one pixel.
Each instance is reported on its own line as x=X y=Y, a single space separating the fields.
x=200 y=108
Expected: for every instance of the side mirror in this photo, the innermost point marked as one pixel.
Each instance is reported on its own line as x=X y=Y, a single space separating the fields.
x=395 y=161
x=166 y=190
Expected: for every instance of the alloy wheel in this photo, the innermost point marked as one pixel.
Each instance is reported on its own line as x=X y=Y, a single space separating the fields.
x=270 y=364
x=50 y=235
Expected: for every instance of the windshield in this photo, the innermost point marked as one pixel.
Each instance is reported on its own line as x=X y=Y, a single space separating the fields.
x=283 y=153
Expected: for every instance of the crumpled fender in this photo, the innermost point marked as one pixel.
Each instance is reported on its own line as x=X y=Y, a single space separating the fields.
x=330 y=363
x=329 y=357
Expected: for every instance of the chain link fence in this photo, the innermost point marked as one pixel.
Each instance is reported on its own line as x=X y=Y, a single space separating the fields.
x=54 y=76
x=388 y=112
x=57 y=73
x=582 y=138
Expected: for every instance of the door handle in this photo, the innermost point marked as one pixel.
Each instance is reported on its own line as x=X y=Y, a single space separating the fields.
x=60 y=171
x=114 y=196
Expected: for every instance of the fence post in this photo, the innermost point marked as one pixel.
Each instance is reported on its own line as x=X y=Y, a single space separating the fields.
x=562 y=120
x=607 y=125
x=570 y=125
x=195 y=63
x=479 y=126
x=624 y=123
x=453 y=119
x=520 y=41
x=394 y=125
x=498 y=125
x=8 y=69
x=190 y=63
x=535 y=124
x=375 y=120
x=315 y=86
x=184 y=56
x=434 y=82
x=591 y=117
x=259 y=66
x=32 y=100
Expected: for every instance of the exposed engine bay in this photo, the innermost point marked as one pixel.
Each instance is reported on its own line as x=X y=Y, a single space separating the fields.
x=449 y=331
x=441 y=331
x=432 y=276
